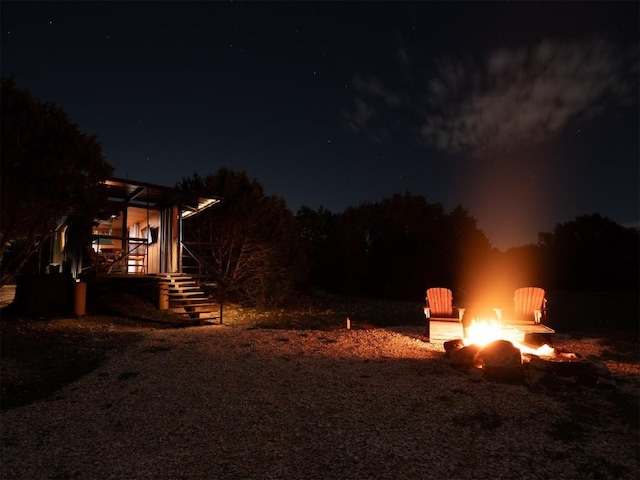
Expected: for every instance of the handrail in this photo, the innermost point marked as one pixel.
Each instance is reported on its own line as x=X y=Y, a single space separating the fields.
x=121 y=261
x=208 y=268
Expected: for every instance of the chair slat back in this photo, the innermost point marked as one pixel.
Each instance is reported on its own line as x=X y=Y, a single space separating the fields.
x=440 y=301
x=527 y=299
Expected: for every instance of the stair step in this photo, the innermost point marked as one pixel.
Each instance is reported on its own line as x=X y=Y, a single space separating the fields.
x=187 y=295
x=196 y=313
x=198 y=309
x=202 y=302
x=192 y=305
x=197 y=316
x=182 y=284
x=188 y=301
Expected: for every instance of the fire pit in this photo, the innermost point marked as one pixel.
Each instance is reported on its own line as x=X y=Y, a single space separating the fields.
x=490 y=350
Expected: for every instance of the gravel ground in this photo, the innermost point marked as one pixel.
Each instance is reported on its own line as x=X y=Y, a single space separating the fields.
x=224 y=402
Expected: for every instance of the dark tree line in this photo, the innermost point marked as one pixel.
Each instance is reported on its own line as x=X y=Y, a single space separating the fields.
x=390 y=249
x=393 y=249
x=396 y=248
x=591 y=253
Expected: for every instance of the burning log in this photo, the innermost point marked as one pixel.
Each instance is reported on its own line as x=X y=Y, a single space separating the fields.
x=502 y=361
x=464 y=357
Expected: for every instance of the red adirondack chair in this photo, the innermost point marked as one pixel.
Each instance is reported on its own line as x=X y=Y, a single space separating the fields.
x=529 y=305
x=444 y=320
x=440 y=304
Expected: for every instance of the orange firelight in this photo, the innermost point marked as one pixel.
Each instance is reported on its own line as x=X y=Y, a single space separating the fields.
x=482 y=332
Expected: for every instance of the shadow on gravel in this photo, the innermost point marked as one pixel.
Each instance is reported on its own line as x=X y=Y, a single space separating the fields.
x=41 y=355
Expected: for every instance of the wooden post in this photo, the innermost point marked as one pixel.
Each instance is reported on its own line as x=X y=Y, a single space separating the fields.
x=80 y=299
x=163 y=296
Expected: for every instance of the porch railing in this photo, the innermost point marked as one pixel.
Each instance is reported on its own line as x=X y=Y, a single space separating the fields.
x=129 y=257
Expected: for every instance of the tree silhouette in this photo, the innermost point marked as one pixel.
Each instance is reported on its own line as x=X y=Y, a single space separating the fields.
x=317 y=232
x=50 y=169
x=394 y=248
x=591 y=252
x=250 y=238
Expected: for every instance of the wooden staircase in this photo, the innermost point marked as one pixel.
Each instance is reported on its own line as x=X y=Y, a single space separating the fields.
x=188 y=300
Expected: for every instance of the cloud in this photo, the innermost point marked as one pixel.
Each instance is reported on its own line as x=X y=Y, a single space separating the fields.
x=372 y=100
x=509 y=97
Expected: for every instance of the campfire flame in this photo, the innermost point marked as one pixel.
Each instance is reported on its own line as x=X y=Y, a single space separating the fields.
x=482 y=332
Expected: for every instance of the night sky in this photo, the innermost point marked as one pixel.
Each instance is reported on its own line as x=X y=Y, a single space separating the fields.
x=526 y=114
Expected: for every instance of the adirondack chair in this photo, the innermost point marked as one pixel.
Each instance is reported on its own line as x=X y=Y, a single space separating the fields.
x=444 y=320
x=528 y=314
x=440 y=304
x=529 y=305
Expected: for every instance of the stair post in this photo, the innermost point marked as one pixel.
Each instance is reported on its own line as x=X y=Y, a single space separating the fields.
x=163 y=296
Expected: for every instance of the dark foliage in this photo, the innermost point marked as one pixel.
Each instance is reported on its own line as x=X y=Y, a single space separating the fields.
x=396 y=248
x=250 y=239
x=50 y=169
x=317 y=230
x=391 y=249
x=591 y=253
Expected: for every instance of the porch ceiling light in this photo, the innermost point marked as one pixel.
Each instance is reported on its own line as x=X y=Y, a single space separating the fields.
x=202 y=205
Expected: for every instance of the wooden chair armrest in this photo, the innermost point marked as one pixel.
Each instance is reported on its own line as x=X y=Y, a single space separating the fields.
x=537 y=315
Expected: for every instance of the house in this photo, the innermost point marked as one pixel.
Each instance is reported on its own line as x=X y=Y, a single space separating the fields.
x=142 y=235
x=137 y=245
